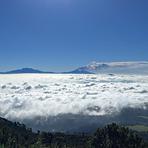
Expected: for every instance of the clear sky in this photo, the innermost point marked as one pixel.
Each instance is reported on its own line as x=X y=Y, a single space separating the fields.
x=59 y=35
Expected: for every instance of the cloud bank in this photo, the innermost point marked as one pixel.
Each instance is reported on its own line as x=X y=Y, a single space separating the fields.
x=28 y=96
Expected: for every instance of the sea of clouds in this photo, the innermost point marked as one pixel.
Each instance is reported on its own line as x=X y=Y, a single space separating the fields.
x=28 y=96
x=53 y=100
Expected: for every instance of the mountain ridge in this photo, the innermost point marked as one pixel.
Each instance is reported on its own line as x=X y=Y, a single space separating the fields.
x=134 y=67
x=137 y=67
x=25 y=70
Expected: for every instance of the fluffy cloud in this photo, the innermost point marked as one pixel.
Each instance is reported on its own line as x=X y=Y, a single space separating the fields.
x=30 y=96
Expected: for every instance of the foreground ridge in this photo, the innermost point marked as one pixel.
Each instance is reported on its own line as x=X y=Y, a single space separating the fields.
x=14 y=135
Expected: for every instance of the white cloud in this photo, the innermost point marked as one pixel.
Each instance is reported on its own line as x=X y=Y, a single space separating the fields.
x=30 y=96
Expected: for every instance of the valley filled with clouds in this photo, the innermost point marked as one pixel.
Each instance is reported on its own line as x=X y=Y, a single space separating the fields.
x=42 y=100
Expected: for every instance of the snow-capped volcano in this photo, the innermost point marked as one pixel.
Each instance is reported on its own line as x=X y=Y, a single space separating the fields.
x=115 y=67
x=138 y=67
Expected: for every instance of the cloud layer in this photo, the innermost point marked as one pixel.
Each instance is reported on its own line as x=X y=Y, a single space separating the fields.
x=28 y=96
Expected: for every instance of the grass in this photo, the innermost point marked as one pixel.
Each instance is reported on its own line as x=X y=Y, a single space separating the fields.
x=139 y=128
x=144 y=117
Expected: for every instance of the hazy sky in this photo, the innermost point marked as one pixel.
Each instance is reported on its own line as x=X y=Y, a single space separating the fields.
x=59 y=35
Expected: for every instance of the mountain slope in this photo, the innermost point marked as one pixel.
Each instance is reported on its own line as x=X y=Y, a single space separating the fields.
x=138 y=67
x=14 y=135
x=24 y=70
x=116 y=67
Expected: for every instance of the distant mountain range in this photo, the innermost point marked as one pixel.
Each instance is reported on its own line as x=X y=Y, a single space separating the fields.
x=24 y=70
x=140 y=67
x=96 y=67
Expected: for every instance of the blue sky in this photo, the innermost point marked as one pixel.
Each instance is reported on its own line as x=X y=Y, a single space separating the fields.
x=60 y=35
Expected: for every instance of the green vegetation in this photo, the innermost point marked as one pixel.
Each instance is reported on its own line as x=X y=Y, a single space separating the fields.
x=16 y=135
x=139 y=128
x=144 y=117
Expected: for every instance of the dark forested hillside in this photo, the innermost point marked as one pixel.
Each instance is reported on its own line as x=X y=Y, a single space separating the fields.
x=16 y=135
